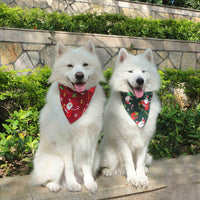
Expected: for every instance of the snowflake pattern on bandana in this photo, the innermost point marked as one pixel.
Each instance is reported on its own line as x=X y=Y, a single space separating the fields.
x=137 y=108
x=73 y=103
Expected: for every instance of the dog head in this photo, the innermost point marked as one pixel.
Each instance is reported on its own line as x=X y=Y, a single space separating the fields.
x=135 y=74
x=78 y=69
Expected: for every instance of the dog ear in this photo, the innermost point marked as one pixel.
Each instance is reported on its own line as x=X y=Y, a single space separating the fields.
x=60 y=49
x=90 y=46
x=148 y=54
x=123 y=53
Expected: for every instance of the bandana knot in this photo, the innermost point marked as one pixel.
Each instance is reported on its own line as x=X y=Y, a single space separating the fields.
x=137 y=108
x=73 y=103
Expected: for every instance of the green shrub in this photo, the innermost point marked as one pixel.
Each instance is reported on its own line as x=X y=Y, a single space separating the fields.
x=178 y=131
x=112 y=24
x=21 y=98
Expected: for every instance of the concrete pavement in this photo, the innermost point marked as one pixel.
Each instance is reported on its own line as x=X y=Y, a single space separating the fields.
x=171 y=179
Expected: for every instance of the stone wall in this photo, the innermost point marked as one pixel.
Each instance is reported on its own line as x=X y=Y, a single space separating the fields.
x=22 y=48
x=128 y=8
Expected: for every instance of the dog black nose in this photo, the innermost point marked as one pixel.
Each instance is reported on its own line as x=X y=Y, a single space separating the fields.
x=79 y=76
x=140 y=81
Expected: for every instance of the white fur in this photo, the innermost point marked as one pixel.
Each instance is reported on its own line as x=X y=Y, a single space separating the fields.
x=66 y=151
x=124 y=147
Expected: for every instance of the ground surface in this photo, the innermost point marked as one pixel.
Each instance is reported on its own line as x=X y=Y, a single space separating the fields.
x=172 y=179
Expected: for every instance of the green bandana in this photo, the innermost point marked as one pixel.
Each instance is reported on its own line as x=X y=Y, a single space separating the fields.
x=137 y=108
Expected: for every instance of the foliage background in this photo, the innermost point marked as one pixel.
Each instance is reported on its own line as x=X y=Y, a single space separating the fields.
x=22 y=97
x=112 y=24
x=192 y=4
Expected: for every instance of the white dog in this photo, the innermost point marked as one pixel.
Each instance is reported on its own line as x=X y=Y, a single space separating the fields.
x=71 y=121
x=130 y=117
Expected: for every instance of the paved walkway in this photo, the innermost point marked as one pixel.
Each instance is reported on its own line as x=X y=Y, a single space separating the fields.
x=172 y=179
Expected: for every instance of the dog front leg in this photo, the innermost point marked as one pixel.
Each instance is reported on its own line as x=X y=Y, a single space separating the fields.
x=88 y=179
x=140 y=166
x=71 y=183
x=129 y=165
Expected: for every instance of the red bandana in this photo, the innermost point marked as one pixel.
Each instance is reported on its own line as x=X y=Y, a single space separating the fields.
x=74 y=104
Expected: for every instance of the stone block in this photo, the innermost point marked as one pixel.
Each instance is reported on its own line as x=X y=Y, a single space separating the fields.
x=196 y=19
x=180 y=16
x=157 y=58
x=175 y=58
x=135 y=13
x=111 y=62
x=79 y=7
x=69 y=10
x=111 y=9
x=125 y=11
x=40 y=3
x=103 y=56
x=145 y=13
x=54 y=5
x=140 y=51
x=132 y=51
x=8 y=2
x=188 y=61
x=24 y=36
x=23 y=62
x=32 y=47
x=112 y=51
x=62 y=5
x=9 y=52
x=163 y=54
x=34 y=57
x=49 y=2
x=161 y=15
x=24 y=3
x=99 y=9
x=48 y=55
x=165 y=64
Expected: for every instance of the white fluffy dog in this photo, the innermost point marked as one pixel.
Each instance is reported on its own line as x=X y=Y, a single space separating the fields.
x=130 y=117
x=71 y=121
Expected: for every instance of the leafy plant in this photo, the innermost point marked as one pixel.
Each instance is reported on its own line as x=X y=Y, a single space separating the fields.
x=20 y=136
x=178 y=132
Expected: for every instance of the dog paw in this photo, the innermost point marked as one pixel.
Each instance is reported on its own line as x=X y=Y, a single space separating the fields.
x=74 y=187
x=91 y=186
x=143 y=180
x=132 y=180
x=107 y=172
x=53 y=187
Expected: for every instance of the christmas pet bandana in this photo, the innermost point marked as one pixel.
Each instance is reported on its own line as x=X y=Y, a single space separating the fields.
x=137 y=108
x=74 y=104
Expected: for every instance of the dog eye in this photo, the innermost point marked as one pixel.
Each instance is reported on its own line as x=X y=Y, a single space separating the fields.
x=85 y=64
x=70 y=65
x=130 y=71
x=143 y=71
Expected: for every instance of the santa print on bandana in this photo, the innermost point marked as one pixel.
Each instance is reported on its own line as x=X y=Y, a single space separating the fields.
x=73 y=103
x=137 y=108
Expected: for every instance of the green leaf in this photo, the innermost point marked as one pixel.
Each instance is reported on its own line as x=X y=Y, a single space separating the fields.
x=7 y=128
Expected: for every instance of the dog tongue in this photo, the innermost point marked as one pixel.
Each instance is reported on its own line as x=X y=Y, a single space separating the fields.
x=79 y=87
x=138 y=92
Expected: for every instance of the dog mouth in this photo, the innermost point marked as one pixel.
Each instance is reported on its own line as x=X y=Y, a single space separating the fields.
x=79 y=86
x=137 y=91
